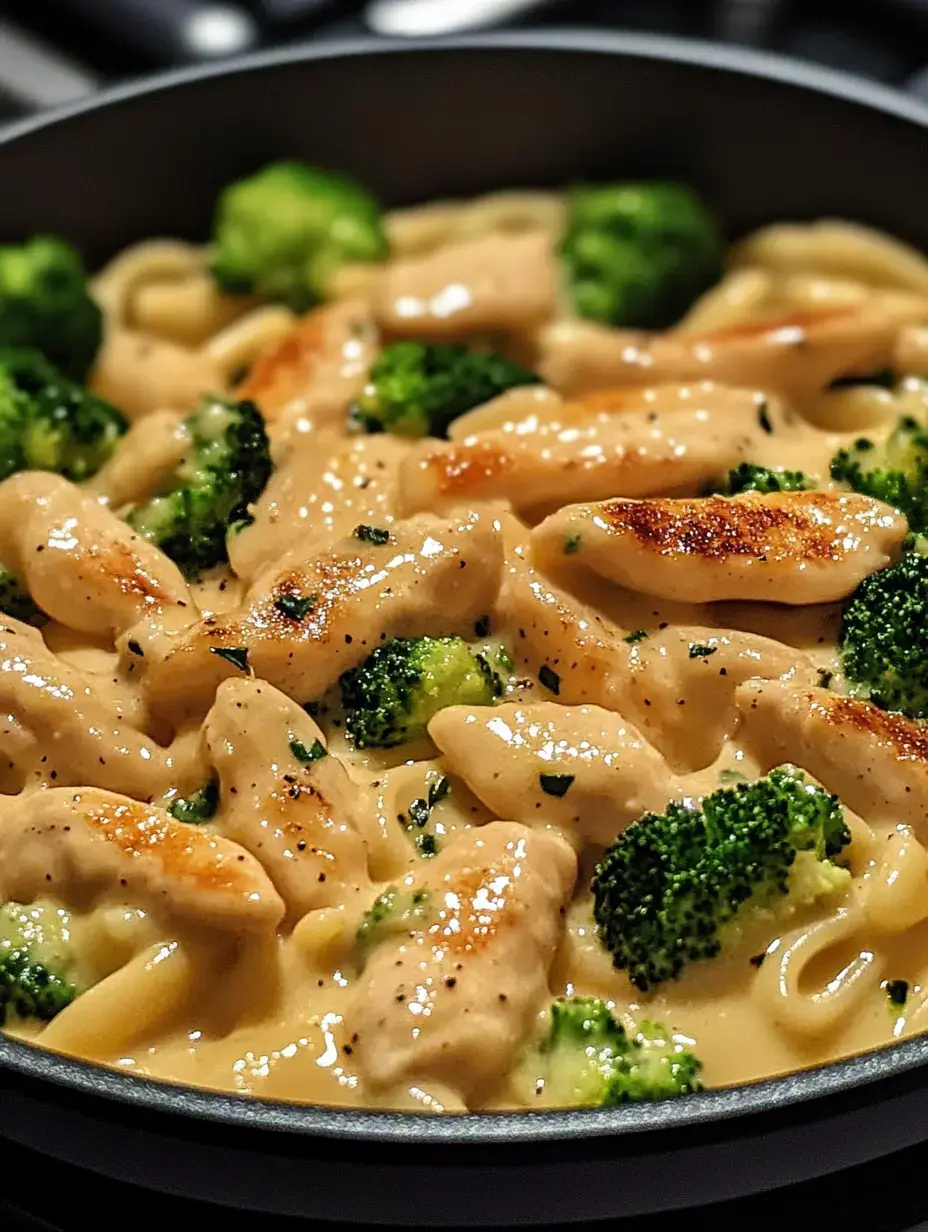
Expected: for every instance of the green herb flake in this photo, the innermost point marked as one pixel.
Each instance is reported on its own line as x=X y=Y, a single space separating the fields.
x=136 y=649
x=731 y=776
x=550 y=679
x=572 y=544
x=556 y=784
x=236 y=655
x=439 y=790
x=295 y=607
x=482 y=627
x=638 y=636
x=377 y=535
x=306 y=755
x=763 y=418
x=504 y=660
x=427 y=845
x=701 y=652
x=897 y=993
x=200 y=806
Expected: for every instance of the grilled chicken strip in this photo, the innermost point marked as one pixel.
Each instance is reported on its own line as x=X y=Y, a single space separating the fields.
x=875 y=761
x=450 y=999
x=581 y=768
x=80 y=843
x=569 y=453
x=784 y=547
x=431 y=577
x=284 y=798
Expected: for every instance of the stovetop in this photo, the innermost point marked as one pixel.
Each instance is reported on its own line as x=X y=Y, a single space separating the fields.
x=55 y=50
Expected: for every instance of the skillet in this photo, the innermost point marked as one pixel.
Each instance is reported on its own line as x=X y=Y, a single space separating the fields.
x=765 y=139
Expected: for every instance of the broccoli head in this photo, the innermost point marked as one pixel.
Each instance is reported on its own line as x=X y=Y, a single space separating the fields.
x=45 y=303
x=639 y=254
x=391 y=697
x=882 y=637
x=671 y=885
x=418 y=388
x=15 y=601
x=226 y=467
x=590 y=1061
x=392 y=912
x=48 y=423
x=284 y=231
x=34 y=962
x=749 y=478
x=894 y=471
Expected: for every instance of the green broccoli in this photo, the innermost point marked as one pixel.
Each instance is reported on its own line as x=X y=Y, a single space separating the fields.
x=208 y=494
x=882 y=640
x=671 y=886
x=35 y=964
x=391 y=697
x=894 y=471
x=639 y=254
x=199 y=806
x=392 y=912
x=45 y=303
x=590 y=1061
x=15 y=601
x=419 y=388
x=749 y=478
x=48 y=423
x=283 y=232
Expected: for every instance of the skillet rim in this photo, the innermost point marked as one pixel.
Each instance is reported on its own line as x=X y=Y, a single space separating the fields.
x=824 y=1083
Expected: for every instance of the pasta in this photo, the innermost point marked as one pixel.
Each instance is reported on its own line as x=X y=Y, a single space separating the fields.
x=219 y=940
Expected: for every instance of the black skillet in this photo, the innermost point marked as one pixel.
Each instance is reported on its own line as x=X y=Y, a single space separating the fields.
x=766 y=139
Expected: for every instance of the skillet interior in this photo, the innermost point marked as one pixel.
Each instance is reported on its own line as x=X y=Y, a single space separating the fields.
x=765 y=140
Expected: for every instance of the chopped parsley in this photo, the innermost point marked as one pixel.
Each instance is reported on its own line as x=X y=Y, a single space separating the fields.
x=556 y=784
x=572 y=544
x=701 y=652
x=420 y=809
x=306 y=755
x=294 y=607
x=236 y=655
x=731 y=776
x=550 y=679
x=200 y=806
x=897 y=993
x=377 y=535
x=638 y=636
x=504 y=660
x=825 y=677
x=136 y=649
x=763 y=418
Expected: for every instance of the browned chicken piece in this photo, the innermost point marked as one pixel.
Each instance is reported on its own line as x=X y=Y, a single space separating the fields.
x=431 y=577
x=497 y=282
x=82 y=843
x=324 y=489
x=580 y=768
x=795 y=356
x=61 y=725
x=284 y=798
x=450 y=999
x=783 y=547
x=875 y=761
x=323 y=364
x=572 y=452
x=82 y=564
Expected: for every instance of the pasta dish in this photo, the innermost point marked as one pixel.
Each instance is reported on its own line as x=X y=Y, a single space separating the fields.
x=464 y=657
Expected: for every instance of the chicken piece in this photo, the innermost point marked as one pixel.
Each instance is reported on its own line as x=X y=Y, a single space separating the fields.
x=571 y=453
x=325 y=488
x=581 y=768
x=81 y=563
x=283 y=798
x=452 y=1000
x=141 y=374
x=500 y=283
x=142 y=460
x=796 y=356
x=319 y=368
x=875 y=761
x=432 y=577
x=60 y=725
x=784 y=547
x=81 y=843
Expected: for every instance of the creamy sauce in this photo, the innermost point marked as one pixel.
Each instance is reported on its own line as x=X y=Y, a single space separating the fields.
x=226 y=955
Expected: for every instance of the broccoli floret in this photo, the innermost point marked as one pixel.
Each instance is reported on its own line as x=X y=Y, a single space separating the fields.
x=45 y=303
x=226 y=467
x=418 y=388
x=199 y=806
x=34 y=962
x=48 y=423
x=391 y=697
x=639 y=254
x=750 y=478
x=671 y=886
x=895 y=471
x=882 y=637
x=15 y=601
x=284 y=231
x=588 y=1059
x=392 y=912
